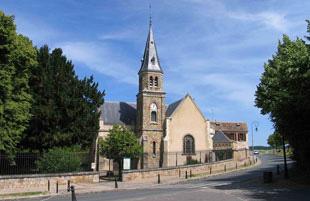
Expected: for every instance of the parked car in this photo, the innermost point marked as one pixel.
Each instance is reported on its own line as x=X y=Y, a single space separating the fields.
x=256 y=152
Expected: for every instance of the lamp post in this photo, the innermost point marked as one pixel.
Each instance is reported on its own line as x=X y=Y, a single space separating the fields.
x=254 y=124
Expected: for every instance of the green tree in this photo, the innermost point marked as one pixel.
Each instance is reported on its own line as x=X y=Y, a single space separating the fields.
x=120 y=143
x=65 y=109
x=275 y=140
x=17 y=60
x=284 y=94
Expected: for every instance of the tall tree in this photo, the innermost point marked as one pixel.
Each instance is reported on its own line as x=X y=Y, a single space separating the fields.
x=65 y=110
x=17 y=59
x=284 y=94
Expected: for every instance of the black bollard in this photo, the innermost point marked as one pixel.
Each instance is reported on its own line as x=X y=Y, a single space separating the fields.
x=186 y=174
x=73 y=197
x=158 y=178
x=68 y=186
x=278 y=169
x=115 y=182
x=56 y=186
x=48 y=185
x=225 y=168
x=179 y=173
x=210 y=170
x=236 y=166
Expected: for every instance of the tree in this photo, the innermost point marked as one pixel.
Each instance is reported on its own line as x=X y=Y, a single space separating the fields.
x=275 y=140
x=65 y=109
x=120 y=143
x=284 y=94
x=17 y=60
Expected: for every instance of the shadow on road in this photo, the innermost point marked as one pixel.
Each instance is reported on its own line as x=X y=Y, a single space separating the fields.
x=251 y=186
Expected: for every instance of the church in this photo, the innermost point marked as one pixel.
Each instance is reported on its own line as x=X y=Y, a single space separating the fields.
x=174 y=134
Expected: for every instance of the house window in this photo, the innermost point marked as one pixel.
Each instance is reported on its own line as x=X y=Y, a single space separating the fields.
x=156 y=82
x=188 y=145
x=151 y=81
x=154 y=148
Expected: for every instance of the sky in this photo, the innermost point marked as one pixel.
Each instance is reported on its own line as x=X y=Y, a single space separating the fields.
x=214 y=50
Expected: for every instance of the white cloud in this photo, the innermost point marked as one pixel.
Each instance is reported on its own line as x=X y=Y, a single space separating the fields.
x=274 y=20
x=100 y=59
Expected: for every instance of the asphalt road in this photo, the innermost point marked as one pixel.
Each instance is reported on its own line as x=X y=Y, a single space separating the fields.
x=241 y=185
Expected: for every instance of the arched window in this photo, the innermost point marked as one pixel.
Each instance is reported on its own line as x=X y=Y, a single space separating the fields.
x=153 y=116
x=188 y=145
x=153 y=109
x=156 y=82
x=151 y=81
x=154 y=148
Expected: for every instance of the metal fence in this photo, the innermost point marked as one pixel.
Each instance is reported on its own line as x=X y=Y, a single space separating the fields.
x=173 y=159
x=27 y=163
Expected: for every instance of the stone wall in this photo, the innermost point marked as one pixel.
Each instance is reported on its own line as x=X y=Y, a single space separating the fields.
x=39 y=182
x=216 y=167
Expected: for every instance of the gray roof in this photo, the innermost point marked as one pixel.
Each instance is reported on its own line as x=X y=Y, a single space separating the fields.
x=220 y=137
x=150 y=60
x=118 y=113
x=171 y=108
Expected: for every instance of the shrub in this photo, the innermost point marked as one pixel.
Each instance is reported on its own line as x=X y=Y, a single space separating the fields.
x=192 y=162
x=58 y=160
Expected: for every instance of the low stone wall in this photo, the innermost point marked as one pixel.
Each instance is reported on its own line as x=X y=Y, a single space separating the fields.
x=41 y=182
x=208 y=168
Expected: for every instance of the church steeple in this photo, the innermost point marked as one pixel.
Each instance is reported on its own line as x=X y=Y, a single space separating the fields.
x=150 y=61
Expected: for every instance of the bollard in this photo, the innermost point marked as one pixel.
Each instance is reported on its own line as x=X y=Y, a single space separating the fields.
x=48 y=185
x=256 y=160
x=115 y=183
x=210 y=170
x=56 y=186
x=236 y=166
x=73 y=197
x=278 y=169
x=158 y=178
x=68 y=186
x=190 y=173
x=186 y=174
x=179 y=173
x=225 y=168
x=267 y=176
x=244 y=164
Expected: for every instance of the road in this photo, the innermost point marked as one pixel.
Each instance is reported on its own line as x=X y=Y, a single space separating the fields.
x=241 y=185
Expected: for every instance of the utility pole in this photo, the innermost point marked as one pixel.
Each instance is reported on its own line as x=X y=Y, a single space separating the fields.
x=253 y=124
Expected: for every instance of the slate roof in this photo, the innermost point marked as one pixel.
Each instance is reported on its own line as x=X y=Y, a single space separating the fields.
x=229 y=126
x=150 y=60
x=118 y=113
x=171 y=108
x=220 y=137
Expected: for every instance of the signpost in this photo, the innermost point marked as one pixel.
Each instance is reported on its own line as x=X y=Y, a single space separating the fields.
x=126 y=163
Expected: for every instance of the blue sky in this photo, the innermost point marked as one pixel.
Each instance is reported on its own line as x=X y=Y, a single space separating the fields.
x=212 y=49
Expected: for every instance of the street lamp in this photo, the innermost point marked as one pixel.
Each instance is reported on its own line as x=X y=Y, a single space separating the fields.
x=254 y=124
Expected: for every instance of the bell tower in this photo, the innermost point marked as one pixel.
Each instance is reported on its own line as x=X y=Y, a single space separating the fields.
x=151 y=105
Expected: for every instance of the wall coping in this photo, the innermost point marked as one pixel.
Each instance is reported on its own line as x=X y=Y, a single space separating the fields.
x=176 y=167
x=22 y=176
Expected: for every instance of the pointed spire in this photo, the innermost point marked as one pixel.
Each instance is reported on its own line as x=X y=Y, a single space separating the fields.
x=150 y=61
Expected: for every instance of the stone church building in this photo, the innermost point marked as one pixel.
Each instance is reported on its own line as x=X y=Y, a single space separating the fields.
x=171 y=134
